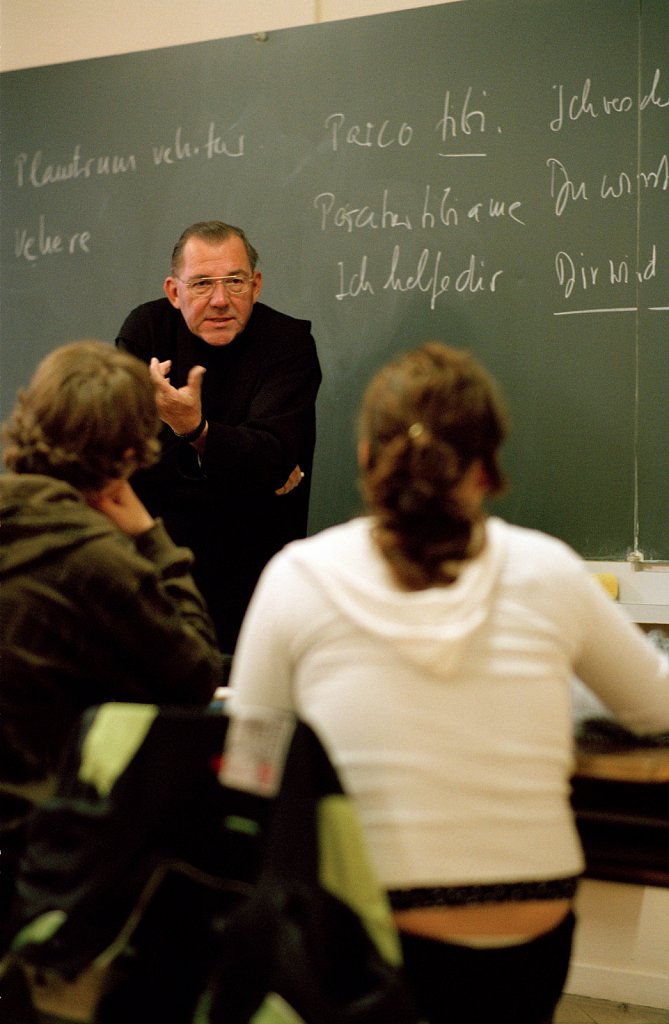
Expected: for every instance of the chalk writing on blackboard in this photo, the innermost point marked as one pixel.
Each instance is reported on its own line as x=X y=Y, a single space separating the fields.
x=33 y=170
x=463 y=121
x=432 y=274
x=368 y=135
x=431 y=271
x=566 y=189
x=31 y=245
x=355 y=215
x=574 y=270
x=578 y=105
x=185 y=149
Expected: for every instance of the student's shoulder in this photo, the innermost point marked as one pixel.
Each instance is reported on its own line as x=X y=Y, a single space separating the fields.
x=112 y=563
x=532 y=551
x=346 y=543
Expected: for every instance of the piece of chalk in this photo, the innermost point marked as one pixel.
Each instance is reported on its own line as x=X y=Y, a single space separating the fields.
x=609 y=581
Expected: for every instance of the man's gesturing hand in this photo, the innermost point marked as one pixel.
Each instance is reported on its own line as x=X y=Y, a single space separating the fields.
x=180 y=408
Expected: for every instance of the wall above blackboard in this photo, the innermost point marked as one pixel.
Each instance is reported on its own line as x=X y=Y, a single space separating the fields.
x=493 y=173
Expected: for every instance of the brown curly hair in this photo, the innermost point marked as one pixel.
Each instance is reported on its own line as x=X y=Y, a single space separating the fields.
x=426 y=417
x=88 y=416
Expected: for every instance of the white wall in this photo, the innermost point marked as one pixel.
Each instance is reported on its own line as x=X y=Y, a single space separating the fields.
x=34 y=32
x=622 y=945
x=621 y=951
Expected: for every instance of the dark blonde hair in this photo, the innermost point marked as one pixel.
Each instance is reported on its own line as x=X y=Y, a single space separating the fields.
x=426 y=417
x=88 y=416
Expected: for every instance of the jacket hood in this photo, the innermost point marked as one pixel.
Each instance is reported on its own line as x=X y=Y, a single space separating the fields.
x=41 y=517
x=431 y=628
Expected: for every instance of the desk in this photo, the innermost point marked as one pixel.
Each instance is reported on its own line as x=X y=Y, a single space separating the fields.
x=620 y=797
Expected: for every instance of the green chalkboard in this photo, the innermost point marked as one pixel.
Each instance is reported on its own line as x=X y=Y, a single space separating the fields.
x=491 y=173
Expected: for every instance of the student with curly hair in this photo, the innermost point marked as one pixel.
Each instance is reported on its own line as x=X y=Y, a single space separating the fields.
x=96 y=602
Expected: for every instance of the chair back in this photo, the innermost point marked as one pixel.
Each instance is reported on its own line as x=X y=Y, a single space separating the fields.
x=198 y=888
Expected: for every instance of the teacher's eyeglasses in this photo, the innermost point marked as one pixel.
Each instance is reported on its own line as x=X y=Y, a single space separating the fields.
x=203 y=287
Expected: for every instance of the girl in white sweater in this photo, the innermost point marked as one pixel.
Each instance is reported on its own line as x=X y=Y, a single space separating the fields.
x=432 y=648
